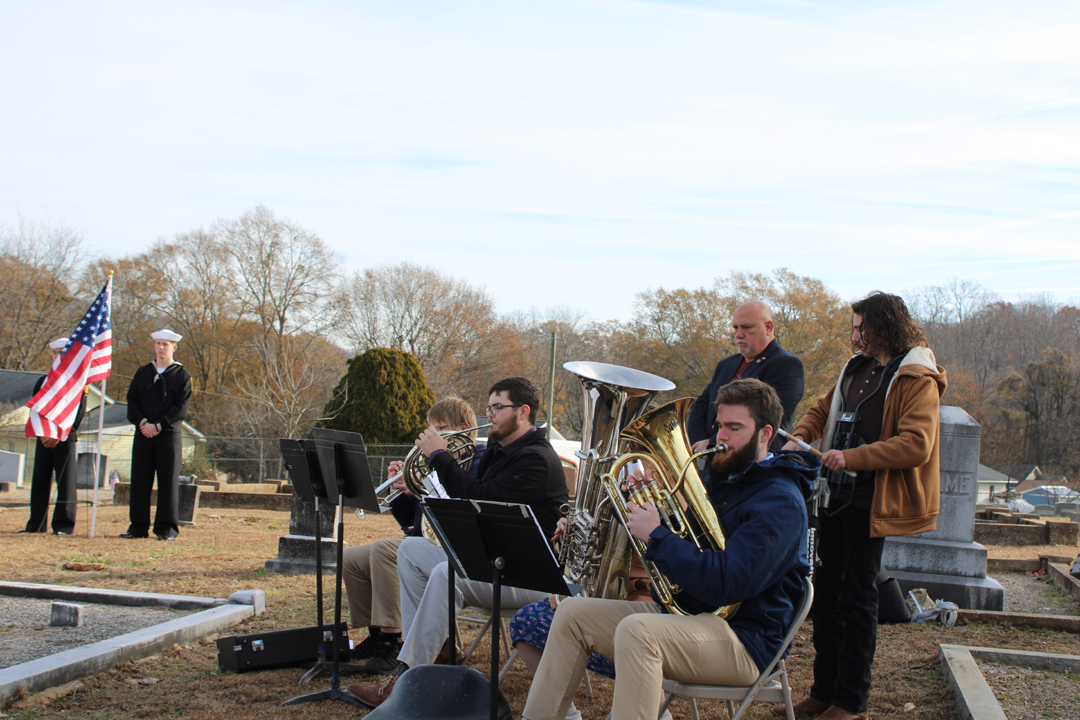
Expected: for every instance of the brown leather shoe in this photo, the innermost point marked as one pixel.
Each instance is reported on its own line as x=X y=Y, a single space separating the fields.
x=444 y=655
x=374 y=695
x=806 y=706
x=835 y=713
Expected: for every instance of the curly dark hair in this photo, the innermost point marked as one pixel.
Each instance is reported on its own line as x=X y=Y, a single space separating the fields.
x=886 y=324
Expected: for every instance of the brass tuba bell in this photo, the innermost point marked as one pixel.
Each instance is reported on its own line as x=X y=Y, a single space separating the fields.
x=594 y=550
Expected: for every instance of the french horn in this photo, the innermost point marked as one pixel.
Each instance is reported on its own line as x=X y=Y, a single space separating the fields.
x=459 y=443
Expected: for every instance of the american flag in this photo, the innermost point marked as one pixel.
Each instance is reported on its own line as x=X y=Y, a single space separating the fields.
x=86 y=358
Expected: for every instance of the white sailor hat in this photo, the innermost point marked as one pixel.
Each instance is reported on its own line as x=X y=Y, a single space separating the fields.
x=166 y=334
x=58 y=343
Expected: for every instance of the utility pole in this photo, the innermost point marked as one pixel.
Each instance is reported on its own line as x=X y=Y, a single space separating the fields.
x=551 y=384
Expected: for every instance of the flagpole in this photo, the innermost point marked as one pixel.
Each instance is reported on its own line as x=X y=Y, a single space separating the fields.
x=97 y=457
x=100 y=429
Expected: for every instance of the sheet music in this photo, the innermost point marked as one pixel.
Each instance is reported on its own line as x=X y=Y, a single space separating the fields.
x=431 y=482
x=526 y=511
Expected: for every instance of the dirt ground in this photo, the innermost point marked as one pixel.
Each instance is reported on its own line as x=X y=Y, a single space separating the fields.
x=225 y=552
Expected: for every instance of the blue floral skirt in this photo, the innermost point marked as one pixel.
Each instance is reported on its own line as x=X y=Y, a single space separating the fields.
x=531 y=624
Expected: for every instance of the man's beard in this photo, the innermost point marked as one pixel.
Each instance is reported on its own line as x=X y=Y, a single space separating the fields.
x=505 y=430
x=724 y=465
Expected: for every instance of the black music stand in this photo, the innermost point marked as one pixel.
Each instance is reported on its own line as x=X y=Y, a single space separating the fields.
x=341 y=456
x=499 y=543
x=303 y=466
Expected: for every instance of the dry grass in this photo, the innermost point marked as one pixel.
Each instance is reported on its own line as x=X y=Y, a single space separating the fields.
x=225 y=554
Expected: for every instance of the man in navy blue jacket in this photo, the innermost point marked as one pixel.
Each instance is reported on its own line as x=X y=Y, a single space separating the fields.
x=158 y=400
x=760 y=356
x=760 y=500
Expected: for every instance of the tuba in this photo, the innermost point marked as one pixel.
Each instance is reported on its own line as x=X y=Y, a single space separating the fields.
x=595 y=550
x=661 y=434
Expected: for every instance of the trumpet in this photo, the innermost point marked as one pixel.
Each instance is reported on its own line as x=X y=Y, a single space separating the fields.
x=387 y=493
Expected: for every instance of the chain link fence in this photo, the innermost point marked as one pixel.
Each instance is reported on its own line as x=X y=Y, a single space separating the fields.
x=243 y=460
x=255 y=460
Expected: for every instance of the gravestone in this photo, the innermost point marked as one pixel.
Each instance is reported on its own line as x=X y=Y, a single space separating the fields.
x=84 y=477
x=296 y=551
x=188 y=510
x=946 y=561
x=12 y=467
x=66 y=615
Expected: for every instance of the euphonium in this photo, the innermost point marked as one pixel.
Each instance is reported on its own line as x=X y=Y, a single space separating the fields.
x=594 y=550
x=661 y=435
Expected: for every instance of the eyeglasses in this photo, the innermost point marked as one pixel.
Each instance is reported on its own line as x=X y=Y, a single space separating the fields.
x=493 y=410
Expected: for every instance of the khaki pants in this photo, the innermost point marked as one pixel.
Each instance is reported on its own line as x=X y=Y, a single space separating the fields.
x=647 y=646
x=370 y=576
x=425 y=599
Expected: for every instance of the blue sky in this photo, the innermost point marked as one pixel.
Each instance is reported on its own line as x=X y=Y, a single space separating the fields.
x=566 y=153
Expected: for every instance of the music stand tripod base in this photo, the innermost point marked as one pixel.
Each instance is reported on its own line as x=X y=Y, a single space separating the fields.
x=340 y=456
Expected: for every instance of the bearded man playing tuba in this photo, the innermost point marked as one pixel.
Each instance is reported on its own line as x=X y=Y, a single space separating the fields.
x=760 y=499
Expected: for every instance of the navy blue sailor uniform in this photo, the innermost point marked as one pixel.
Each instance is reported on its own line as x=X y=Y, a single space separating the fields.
x=160 y=399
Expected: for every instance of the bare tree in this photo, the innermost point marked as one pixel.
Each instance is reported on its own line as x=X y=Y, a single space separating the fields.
x=957 y=318
x=575 y=339
x=287 y=399
x=200 y=297
x=448 y=325
x=285 y=274
x=682 y=333
x=38 y=266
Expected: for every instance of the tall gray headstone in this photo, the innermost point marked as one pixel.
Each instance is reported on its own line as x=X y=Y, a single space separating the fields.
x=12 y=467
x=946 y=561
x=188 y=510
x=84 y=479
x=296 y=551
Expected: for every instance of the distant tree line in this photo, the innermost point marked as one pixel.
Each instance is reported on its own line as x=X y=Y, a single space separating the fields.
x=1013 y=366
x=270 y=322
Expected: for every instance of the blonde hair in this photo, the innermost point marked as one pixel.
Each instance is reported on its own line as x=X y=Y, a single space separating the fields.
x=453 y=411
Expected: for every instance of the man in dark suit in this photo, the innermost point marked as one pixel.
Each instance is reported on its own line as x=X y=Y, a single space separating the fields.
x=759 y=356
x=158 y=401
x=60 y=457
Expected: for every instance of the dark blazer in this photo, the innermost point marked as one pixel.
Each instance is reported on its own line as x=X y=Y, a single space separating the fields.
x=774 y=366
x=526 y=471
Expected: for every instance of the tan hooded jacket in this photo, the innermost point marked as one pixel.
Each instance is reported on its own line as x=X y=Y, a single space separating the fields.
x=907 y=481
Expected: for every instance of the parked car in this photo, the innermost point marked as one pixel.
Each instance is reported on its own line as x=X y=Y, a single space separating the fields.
x=1050 y=495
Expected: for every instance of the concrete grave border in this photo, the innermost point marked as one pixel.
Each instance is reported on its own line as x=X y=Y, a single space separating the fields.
x=216 y=614
x=974 y=698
